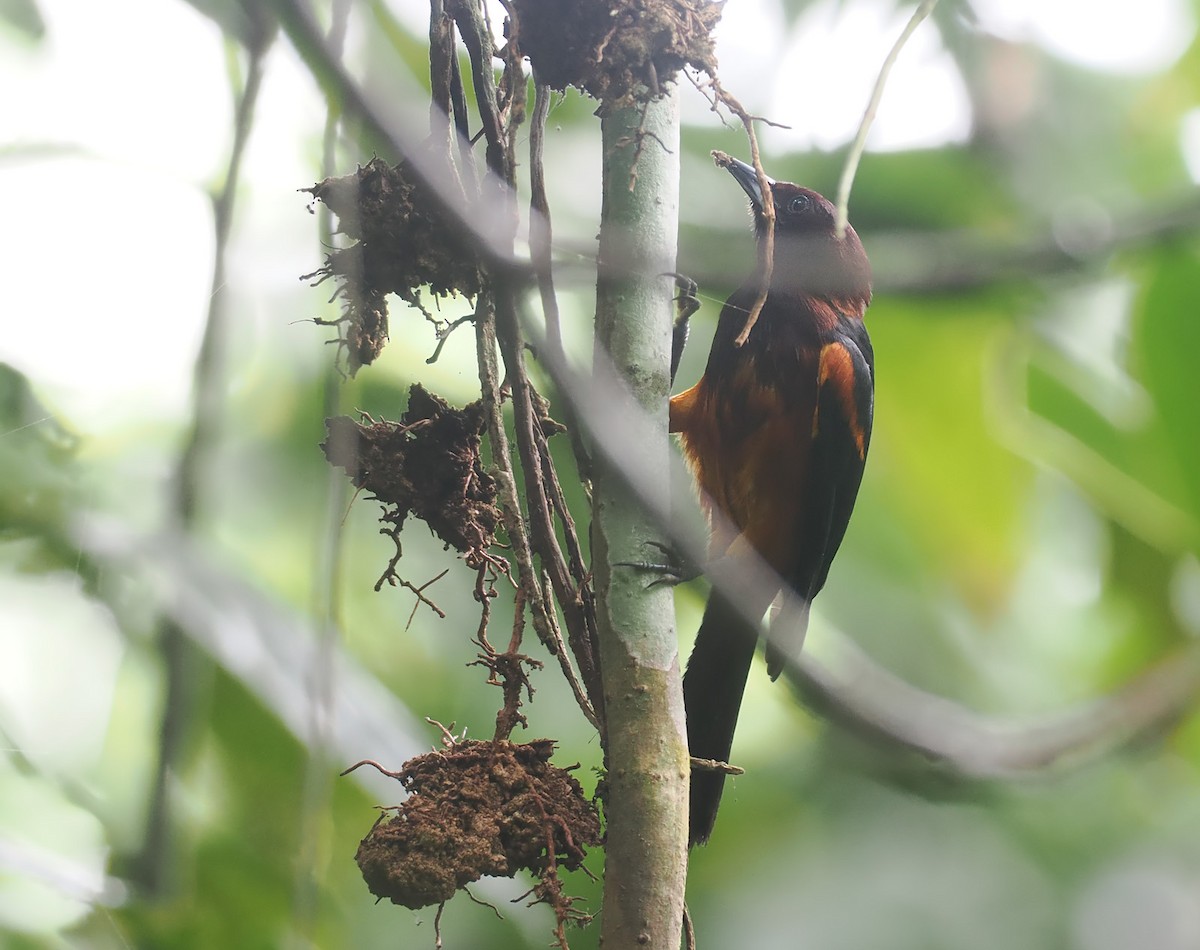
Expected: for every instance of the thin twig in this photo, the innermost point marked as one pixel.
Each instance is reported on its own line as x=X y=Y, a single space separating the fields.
x=860 y=139
x=449 y=739
x=766 y=244
x=541 y=237
x=466 y=890
x=529 y=591
x=421 y=598
x=564 y=661
x=375 y=765
x=715 y=765
x=581 y=627
x=444 y=334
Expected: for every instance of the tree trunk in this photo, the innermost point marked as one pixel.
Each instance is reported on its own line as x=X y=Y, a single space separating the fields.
x=646 y=852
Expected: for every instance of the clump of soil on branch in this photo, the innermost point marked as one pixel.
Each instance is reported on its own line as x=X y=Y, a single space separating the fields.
x=403 y=243
x=479 y=808
x=429 y=464
x=617 y=50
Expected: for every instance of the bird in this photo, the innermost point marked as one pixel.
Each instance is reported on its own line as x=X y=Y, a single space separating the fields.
x=776 y=433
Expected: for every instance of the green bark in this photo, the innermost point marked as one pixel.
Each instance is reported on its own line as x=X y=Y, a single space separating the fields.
x=646 y=862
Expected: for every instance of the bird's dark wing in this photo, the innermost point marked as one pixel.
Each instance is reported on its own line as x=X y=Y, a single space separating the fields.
x=841 y=435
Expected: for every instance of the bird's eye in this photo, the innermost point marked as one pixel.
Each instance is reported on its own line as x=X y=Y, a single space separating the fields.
x=799 y=204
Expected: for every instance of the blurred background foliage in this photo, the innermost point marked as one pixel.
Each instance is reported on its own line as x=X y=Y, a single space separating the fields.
x=1025 y=541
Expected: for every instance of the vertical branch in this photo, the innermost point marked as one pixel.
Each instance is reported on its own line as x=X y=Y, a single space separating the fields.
x=541 y=239
x=581 y=631
x=530 y=591
x=186 y=668
x=442 y=66
x=647 y=758
x=580 y=622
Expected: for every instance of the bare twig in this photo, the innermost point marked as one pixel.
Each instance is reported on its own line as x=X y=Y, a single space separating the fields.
x=860 y=139
x=564 y=661
x=715 y=765
x=530 y=593
x=421 y=598
x=766 y=244
x=496 y=910
x=443 y=334
x=375 y=765
x=580 y=622
x=541 y=237
x=449 y=739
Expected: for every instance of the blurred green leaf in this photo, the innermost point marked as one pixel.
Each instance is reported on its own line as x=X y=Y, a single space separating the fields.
x=37 y=468
x=958 y=489
x=24 y=17
x=1166 y=341
x=251 y=24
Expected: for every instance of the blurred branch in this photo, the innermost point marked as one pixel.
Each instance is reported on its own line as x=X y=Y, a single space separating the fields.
x=961 y=261
x=957 y=262
x=267 y=646
x=185 y=670
x=541 y=240
x=326 y=590
x=854 y=692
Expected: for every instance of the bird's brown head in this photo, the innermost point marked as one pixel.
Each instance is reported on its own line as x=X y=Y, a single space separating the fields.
x=809 y=256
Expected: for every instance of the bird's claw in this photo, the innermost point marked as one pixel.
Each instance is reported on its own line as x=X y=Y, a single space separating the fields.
x=686 y=303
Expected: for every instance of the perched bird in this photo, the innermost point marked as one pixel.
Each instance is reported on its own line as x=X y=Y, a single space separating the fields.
x=776 y=433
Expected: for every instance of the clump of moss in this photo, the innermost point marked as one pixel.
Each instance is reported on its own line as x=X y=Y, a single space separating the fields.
x=619 y=50
x=402 y=244
x=475 y=809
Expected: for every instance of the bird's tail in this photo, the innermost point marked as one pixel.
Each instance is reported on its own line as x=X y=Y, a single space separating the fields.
x=712 y=695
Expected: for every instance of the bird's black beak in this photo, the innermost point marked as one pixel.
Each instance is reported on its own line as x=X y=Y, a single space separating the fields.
x=747 y=177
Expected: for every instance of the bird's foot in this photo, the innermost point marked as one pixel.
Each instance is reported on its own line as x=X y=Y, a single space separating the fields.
x=686 y=303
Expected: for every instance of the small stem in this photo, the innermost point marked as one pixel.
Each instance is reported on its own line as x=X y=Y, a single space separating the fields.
x=860 y=140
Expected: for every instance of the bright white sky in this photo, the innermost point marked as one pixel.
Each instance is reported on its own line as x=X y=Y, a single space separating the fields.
x=125 y=197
